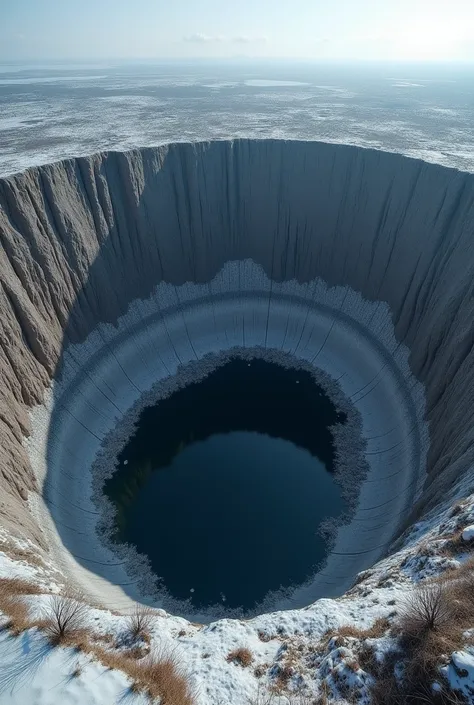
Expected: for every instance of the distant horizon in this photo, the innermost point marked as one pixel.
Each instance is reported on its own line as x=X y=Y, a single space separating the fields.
x=236 y=59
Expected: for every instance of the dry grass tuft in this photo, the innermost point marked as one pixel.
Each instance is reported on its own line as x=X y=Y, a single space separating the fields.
x=430 y=628
x=284 y=672
x=456 y=545
x=378 y=629
x=21 y=554
x=17 y=613
x=367 y=659
x=465 y=571
x=242 y=656
x=264 y=697
x=388 y=691
x=12 y=605
x=159 y=677
x=77 y=671
x=165 y=679
x=140 y=623
x=64 y=620
x=16 y=586
x=137 y=652
x=428 y=609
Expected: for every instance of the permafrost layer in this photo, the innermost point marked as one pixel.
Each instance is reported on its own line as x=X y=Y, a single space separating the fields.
x=354 y=261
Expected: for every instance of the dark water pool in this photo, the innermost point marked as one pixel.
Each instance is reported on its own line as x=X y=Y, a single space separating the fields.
x=225 y=484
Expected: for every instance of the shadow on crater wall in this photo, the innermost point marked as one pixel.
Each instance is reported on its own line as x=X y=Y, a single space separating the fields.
x=83 y=238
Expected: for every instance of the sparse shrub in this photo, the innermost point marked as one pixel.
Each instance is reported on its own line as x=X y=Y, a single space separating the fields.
x=284 y=672
x=140 y=623
x=77 y=671
x=430 y=628
x=242 y=656
x=367 y=659
x=64 y=620
x=427 y=610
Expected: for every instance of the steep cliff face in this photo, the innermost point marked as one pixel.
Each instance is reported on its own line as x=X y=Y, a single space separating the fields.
x=83 y=238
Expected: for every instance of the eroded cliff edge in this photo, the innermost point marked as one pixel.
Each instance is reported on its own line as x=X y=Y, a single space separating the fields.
x=82 y=238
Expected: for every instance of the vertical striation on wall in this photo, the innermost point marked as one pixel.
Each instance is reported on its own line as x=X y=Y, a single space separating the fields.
x=83 y=238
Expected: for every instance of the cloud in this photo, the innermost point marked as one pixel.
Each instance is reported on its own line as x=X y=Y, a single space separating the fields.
x=200 y=38
x=246 y=39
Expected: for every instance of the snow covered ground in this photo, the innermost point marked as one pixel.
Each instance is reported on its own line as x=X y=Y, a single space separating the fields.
x=51 y=112
x=293 y=651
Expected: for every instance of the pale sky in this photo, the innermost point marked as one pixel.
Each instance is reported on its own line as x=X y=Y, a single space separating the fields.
x=308 y=29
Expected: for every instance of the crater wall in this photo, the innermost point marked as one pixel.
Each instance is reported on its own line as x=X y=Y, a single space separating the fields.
x=83 y=238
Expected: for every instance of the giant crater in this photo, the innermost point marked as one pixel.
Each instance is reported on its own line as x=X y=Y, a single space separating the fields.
x=127 y=276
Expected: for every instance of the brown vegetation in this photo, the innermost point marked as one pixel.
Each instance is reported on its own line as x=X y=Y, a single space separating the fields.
x=16 y=553
x=430 y=628
x=137 y=652
x=456 y=545
x=242 y=656
x=265 y=697
x=260 y=670
x=160 y=677
x=427 y=610
x=367 y=659
x=284 y=672
x=378 y=629
x=13 y=587
x=17 y=614
x=13 y=606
